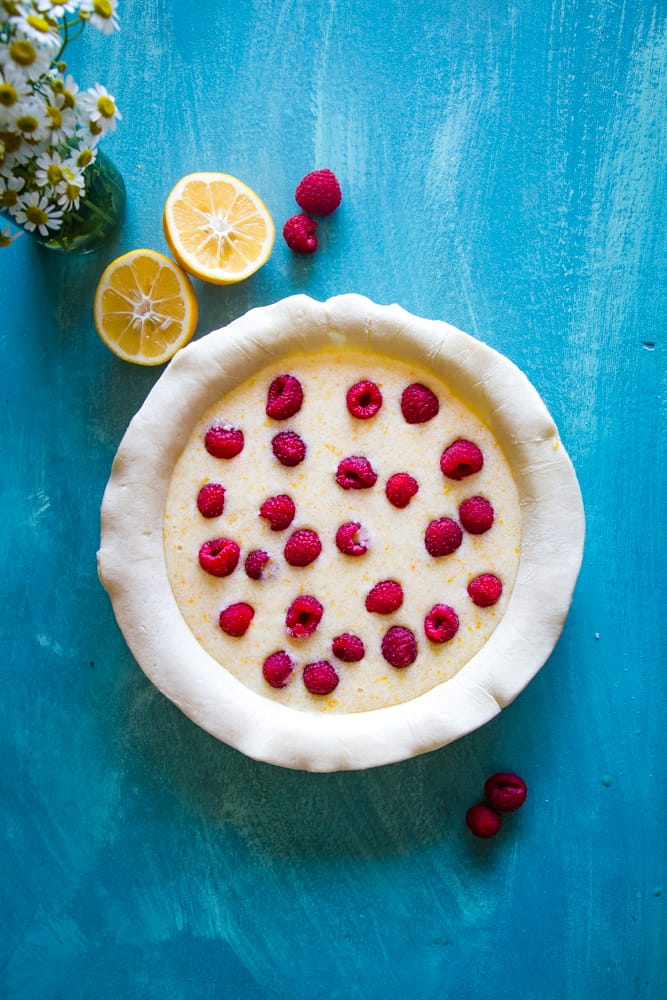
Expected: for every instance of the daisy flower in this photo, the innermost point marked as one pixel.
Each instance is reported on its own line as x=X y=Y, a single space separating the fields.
x=99 y=105
x=37 y=29
x=35 y=211
x=32 y=60
x=102 y=14
x=7 y=237
x=9 y=191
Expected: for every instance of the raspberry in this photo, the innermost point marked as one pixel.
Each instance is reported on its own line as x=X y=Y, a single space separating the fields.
x=299 y=233
x=419 y=404
x=347 y=540
x=255 y=562
x=320 y=677
x=443 y=536
x=441 y=623
x=505 y=791
x=303 y=616
x=399 y=646
x=284 y=397
x=279 y=511
x=485 y=590
x=348 y=647
x=400 y=489
x=219 y=556
x=319 y=192
x=288 y=448
x=461 y=459
x=476 y=515
x=363 y=399
x=277 y=669
x=355 y=473
x=483 y=821
x=223 y=441
x=235 y=619
x=385 y=597
x=211 y=500
x=302 y=547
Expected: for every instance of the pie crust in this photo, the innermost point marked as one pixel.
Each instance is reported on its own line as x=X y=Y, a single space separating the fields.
x=133 y=568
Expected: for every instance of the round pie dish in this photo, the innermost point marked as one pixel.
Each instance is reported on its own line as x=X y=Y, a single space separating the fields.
x=160 y=542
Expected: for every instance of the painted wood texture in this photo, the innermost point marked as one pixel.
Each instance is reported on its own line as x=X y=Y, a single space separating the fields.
x=503 y=168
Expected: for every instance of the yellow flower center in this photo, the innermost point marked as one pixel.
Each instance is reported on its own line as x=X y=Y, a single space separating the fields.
x=54 y=115
x=94 y=128
x=22 y=52
x=39 y=23
x=8 y=198
x=53 y=173
x=106 y=107
x=36 y=215
x=103 y=8
x=8 y=95
x=72 y=191
x=27 y=124
x=68 y=99
x=5 y=241
x=84 y=158
x=11 y=142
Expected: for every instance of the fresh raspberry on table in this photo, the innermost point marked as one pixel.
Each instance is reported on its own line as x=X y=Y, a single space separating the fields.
x=442 y=537
x=284 y=397
x=355 y=473
x=441 y=623
x=235 y=619
x=288 y=448
x=348 y=647
x=419 y=404
x=485 y=590
x=211 y=500
x=319 y=192
x=219 y=556
x=483 y=821
x=255 y=562
x=399 y=646
x=385 y=597
x=224 y=441
x=476 y=515
x=461 y=459
x=320 y=677
x=505 y=791
x=302 y=547
x=299 y=233
x=348 y=540
x=303 y=616
x=363 y=399
x=400 y=489
x=277 y=668
x=279 y=511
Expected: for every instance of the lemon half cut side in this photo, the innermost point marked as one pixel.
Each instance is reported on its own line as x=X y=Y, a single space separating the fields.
x=145 y=307
x=217 y=228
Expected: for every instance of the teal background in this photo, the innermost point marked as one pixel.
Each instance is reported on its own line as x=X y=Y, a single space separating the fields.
x=503 y=168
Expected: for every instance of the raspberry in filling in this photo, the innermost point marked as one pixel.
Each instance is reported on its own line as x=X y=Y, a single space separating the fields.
x=462 y=459
x=279 y=511
x=363 y=399
x=224 y=441
x=235 y=619
x=219 y=556
x=385 y=597
x=348 y=540
x=277 y=669
x=284 y=397
x=483 y=821
x=355 y=473
x=348 y=647
x=485 y=590
x=320 y=677
x=476 y=515
x=442 y=537
x=441 y=623
x=255 y=562
x=303 y=616
x=211 y=500
x=302 y=547
x=505 y=791
x=399 y=646
x=419 y=404
x=400 y=489
x=288 y=448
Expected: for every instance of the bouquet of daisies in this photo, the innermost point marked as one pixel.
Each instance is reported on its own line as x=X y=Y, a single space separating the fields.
x=49 y=129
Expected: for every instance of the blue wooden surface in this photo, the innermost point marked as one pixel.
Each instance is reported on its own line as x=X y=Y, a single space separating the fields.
x=502 y=168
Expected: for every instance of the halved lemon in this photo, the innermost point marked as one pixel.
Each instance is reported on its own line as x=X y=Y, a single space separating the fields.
x=145 y=307
x=217 y=228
